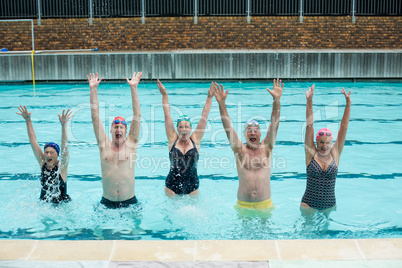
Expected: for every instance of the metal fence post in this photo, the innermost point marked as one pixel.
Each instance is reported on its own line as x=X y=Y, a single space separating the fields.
x=353 y=11
x=195 y=12
x=248 y=11
x=33 y=37
x=143 y=11
x=90 y=12
x=301 y=11
x=39 y=13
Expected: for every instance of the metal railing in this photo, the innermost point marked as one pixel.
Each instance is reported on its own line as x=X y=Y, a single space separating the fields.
x=37 y=9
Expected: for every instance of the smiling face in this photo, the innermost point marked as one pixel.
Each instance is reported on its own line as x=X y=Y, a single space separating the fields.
x=118 y=132
x=184 y=130
x=324 y=144
x=253 y=136
x=50 y=156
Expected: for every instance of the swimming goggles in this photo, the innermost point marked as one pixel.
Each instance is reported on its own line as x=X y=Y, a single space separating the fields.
x=117 y=121
x=326 y=134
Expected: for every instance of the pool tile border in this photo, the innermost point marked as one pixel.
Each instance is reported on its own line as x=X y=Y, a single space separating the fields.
x=202 y=250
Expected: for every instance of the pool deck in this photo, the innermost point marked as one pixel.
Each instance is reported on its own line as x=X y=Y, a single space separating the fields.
x=203 y=253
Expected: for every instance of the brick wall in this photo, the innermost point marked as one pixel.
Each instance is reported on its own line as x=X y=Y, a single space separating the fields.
x=123 y=34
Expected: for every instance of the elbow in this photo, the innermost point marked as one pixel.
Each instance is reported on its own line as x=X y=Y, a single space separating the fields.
x=137 y=117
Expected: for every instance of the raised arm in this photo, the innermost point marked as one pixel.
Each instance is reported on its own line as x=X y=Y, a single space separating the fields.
x=200 y=130
x=96 y=121
x=309 y=146
x=40 y=157
x=340 y=140
x=276 y=94
x=234 y=141
x=134 y=133
x=171 y=133
x=64 y=152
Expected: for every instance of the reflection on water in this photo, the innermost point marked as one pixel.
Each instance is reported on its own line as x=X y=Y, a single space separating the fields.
x=211 y=215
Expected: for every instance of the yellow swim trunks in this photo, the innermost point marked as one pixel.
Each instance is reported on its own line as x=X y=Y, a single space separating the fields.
x=261 y=209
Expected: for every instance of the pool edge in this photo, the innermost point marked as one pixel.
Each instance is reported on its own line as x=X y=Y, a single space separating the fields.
x=202 y=250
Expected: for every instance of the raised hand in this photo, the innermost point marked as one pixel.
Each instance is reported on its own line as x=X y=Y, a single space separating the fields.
x=276 y=92
x=24 y=112
x=310 y=92
x=93 y=80
x=162 y=88
x=347 y=96
x=211 y=91
x=135 y=79
x=65 y=117
x=220 y=94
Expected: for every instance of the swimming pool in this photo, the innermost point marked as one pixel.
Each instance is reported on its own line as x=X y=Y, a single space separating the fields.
x=368 y=184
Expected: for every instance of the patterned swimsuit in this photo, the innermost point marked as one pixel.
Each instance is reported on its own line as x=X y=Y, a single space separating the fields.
x=320 y=190
x=54 y=189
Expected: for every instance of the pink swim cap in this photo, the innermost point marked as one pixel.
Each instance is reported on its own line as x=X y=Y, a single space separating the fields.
x=322 y=132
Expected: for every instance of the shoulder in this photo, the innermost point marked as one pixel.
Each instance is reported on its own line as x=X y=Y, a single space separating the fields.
x=266 y=147
x=310 y=155
x=335 y=155
x=242 y=149
x=194 y=140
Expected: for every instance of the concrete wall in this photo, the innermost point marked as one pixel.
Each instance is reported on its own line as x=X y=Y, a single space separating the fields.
x=263 y=64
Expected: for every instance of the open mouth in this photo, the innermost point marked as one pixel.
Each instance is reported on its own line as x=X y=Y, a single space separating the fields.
x=253 y=140
x=119 y=136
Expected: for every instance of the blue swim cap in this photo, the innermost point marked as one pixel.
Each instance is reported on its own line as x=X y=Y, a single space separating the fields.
x=53 y=145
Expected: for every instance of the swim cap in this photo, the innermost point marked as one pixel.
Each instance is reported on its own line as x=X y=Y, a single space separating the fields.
x=53 y=145
x=251 y=123
x=183 y=118
x=324 y=131
x=119 y=120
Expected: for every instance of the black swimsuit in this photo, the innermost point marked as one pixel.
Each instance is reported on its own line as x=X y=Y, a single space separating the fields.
x=118 y=204
x=183 y=178
x=320 y=190
x=54 y=189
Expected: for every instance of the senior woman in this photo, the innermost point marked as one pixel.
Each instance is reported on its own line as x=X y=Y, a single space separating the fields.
x=322 y=160
x=184 y=147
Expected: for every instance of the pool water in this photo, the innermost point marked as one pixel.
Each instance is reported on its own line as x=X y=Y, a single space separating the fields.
x=368 y=187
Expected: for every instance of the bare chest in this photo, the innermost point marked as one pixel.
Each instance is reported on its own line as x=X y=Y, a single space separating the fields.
x=117 y=156
x=254 y=160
